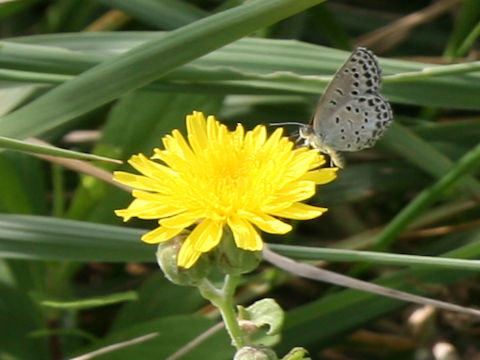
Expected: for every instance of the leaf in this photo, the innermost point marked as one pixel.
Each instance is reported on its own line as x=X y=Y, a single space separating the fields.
x=36 y=147
x=19 y=317
x=165 y=14
x=264 y=312
x=20 y=192
x=249 y=66
x=36 y=237
x=92 y=302
x=115 y=77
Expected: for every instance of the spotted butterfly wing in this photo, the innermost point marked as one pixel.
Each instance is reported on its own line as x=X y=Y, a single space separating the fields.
x=351 y=115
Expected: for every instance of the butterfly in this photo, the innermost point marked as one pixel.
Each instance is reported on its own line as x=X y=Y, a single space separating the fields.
x=351 y=115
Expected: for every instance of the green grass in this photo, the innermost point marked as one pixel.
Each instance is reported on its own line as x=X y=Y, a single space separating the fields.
x=74 y=279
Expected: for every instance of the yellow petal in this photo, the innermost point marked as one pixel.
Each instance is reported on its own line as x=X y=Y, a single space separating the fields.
x=256 y=138
x=272 y=141
x=173 y=161
x=151 y=168
x=176 y=144
x=319 y=160
x=302 y=163
x=187 y=256
x=206 y=235
x=132 y=209
x=245 y=236
x=123 y=213
x=135 y=181
x=147 y=210
x=293 y=192
x=160 y=234
x=267 y=223
x=239 y=133
x=321 y=176
x=213 y=127
x=300 y=211
x=182 y=220
x=197 y=132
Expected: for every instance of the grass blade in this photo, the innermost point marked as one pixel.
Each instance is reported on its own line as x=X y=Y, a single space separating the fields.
x=144 y=63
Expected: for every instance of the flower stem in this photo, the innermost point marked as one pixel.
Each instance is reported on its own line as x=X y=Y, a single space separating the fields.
x=223 y=300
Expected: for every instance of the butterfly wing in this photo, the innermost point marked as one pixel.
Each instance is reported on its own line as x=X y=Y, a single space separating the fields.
x=358 y=124
x=351 y=115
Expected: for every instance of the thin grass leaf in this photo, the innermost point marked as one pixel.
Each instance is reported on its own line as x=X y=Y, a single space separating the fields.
x=433 y=71
x=420 y=153
x=317 y=274
x=141 y=65
x=249 y=66
x=356 y=308
x=93 y=302
x=465 y=165
x=24 y=236
x=165 y=14
x=326 y=254
x=39 y=148
x=466 y=19
x=469 y=41
x=35 y=237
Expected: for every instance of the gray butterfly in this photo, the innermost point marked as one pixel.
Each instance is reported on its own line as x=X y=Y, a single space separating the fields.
x=351 y=115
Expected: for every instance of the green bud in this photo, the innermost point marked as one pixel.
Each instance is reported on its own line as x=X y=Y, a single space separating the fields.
x=255 y=353
x=167 y=260
x=235 y=261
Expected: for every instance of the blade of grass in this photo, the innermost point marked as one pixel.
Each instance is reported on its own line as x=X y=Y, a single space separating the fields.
x=318 y=274
x=330 y=27
x=35 y=237
x=26 y=236
x=465 y=165
x=165 y=14
x=469 y=41
x=355 y=308
x=142 y=65
x=92 y=302
x=37 y=147
x=419 y=152
x=247 y=66
x=314 y=253
x=434 y=215
x=465 y=19
x=433 y=71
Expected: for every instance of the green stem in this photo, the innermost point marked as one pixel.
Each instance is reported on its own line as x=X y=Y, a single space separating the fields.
x=223 y=300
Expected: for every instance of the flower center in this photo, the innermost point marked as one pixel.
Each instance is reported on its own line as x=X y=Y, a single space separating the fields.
x=228 y=182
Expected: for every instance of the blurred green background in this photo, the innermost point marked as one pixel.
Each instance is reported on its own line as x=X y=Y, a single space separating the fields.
x=111 y=77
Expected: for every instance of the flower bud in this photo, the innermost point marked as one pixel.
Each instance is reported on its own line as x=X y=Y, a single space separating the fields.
x=235 y=261
x=255 y=353
x=167 y=260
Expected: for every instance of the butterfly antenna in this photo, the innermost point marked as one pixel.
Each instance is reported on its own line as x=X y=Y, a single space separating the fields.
x=286 y=123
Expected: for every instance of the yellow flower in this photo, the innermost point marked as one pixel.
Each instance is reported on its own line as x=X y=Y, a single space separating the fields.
x=218 y=178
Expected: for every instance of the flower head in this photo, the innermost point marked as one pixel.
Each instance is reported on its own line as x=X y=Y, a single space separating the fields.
x=217 y=178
